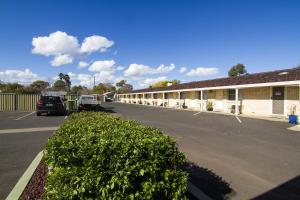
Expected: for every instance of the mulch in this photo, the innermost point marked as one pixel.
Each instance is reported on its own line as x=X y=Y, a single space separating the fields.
x=35 y=187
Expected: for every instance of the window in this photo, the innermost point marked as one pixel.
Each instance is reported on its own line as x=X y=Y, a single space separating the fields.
x=231 y=95
x=205 y=95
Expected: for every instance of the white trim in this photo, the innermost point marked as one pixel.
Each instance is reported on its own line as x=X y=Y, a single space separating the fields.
x=236 y=101
x=230 y=87
x=271 y=100
x=285 y=101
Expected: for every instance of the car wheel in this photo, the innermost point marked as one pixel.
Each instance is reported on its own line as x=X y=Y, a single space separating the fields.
x=98 y=108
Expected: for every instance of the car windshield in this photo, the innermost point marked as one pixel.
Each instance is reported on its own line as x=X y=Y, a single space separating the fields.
x=88 y=98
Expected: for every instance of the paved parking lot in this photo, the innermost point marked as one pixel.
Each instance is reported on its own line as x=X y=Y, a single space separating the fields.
x=260 y=159
x=18 y=147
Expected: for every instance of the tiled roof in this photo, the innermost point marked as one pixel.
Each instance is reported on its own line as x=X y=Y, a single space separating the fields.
x=292 y=74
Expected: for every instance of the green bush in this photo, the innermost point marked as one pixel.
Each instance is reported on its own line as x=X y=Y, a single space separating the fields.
x=100 y=156
x=210 y=106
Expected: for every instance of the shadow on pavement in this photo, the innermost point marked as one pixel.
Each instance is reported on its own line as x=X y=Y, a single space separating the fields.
x=207 y=181
x=288 y=190
x=107 y=109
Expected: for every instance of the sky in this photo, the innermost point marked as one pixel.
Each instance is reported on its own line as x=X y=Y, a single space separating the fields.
x=145 y=41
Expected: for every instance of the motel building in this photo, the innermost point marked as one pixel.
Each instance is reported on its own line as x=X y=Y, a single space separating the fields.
x=267 y=94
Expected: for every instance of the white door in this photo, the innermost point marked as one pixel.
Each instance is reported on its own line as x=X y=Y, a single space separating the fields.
x=219 y=100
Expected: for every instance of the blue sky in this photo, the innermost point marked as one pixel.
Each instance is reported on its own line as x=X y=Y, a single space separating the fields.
x=145 y=41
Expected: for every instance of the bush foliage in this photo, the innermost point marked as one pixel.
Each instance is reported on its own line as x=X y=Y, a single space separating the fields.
x=100 y=156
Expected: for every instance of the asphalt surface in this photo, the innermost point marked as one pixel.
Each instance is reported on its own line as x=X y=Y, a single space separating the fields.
x=259 y=158
x=17 y=150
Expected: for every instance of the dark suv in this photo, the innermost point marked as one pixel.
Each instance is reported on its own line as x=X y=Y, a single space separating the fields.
x=50 y=104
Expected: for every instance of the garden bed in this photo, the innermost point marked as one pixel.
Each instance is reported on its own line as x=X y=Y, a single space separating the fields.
x=97 y=155
x=35 y=187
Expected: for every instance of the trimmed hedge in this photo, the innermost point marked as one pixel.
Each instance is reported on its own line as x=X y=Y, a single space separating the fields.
x=100 y=156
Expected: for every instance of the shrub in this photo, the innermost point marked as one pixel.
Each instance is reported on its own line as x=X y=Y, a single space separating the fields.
x=100 y=156
x=210 y=106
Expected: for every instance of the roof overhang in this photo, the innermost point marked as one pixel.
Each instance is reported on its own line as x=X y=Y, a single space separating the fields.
x=284 y=83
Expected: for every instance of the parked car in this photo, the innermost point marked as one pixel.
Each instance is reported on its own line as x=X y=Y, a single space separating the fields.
x=88 y=102
x=49 y=105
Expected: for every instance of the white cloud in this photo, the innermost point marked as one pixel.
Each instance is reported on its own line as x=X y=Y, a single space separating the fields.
x=22 y=77
x=95 y=43
x=81 y=79
x=82 y=64
x=102 y=65
x=105 y=76
x=164 y=69
x=138 y=70
x=182 y=69
x=88 y=79
x=61 y=60
x=55 y=44
x=64 y=48
x=150 y=81
x=203 y=71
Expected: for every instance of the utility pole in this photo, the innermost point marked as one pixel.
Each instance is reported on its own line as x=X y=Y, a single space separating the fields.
x=94 y=81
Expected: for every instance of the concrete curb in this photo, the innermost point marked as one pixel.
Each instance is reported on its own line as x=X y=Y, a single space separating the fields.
x=196 y=192
x=25 y=178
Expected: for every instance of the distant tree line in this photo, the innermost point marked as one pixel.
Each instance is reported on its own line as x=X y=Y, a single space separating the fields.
x=64 y=84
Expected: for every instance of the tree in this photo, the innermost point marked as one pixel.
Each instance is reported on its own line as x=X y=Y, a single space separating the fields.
x=11 y=88
x=237 y=70
x=164 y=83
x=59 y=85
x=77 y=89
x=123 y=87
x=121 y=83
x=100 y=88
x=68 y=82
x=110 y=87
x=66 y=79
x=39 y=85
x=126 y=88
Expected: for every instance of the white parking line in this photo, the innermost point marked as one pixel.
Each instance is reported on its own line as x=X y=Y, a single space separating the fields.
x=26 y=130
x=197 y=113
x=238 y=119
x=25 y=116
x=66 y=116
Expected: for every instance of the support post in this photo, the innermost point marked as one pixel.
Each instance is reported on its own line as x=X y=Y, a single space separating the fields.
x=152 y=97
x=179 y=100
x=143 y=98
x=236 y=101
x=201 y=99
x=163 y=99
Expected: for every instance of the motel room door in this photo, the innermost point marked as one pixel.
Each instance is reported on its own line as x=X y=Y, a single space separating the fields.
x=278 y=100
x=219 y=100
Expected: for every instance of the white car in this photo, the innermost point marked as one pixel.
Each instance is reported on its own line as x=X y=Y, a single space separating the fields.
x=88 y=102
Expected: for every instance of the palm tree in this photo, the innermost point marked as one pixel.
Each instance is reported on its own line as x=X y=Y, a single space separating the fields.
x=61 y=76
x=66 y=79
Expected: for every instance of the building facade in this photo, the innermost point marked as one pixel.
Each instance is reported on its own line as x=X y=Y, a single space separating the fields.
x=274 y=93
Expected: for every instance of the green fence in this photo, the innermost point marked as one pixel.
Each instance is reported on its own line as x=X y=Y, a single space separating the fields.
x=27 y=102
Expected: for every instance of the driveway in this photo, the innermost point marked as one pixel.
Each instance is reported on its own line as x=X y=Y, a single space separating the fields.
x=18 y=146
x=260 y=159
